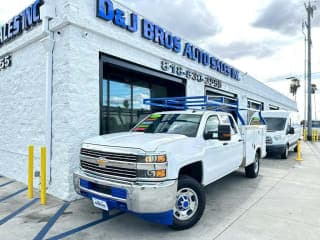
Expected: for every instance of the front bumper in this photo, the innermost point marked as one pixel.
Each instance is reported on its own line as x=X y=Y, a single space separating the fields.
x=279 y=148
x=140 y=198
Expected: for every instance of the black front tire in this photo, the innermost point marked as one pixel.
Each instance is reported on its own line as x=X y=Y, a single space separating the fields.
x=252 y=171
x=285 y=153
x=189 y=182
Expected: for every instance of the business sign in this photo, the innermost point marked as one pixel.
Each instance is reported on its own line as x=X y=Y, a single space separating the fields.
x=20 y=23
x=158 y=35
x=5 y=62
x=186 y=73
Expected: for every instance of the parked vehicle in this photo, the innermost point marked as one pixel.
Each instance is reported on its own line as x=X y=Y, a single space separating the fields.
x=159 y=169
x=283 y=131
x=316 y=126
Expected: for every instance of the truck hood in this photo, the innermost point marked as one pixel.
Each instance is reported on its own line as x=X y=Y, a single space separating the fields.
x=146 y=141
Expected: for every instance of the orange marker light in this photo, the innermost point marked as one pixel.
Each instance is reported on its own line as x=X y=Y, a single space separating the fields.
x=161 y=159
x=161 y=173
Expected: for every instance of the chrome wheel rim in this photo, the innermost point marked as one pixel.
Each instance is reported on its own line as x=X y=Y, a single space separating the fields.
x=187 y=203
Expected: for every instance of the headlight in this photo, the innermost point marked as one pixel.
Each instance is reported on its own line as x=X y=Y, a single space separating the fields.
x=153 y=158
x=278 y=138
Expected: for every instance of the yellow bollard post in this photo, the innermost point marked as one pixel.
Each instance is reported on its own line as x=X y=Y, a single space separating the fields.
x=305 y=134
x=43 y=196
x=312 y=135
x=30 y=171
x=317 y=135
x=299 y=158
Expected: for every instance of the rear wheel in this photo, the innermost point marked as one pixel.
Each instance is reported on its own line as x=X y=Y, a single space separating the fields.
x=285 y=153
x=190 y=203
x=252 y=171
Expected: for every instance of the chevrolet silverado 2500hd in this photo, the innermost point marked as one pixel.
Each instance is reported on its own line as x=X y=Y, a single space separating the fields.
x=159 y=169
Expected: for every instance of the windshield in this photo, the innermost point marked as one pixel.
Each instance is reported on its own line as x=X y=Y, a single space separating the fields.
x=316 y=124
x=185 y=124
x=275 y=124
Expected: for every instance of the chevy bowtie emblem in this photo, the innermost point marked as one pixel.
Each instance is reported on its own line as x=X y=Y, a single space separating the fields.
x=102 y=162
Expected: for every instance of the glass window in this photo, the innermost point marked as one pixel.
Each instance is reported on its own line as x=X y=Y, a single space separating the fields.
x=119 y=118
x=141 y=91
x=105 y=93
x=120 y=95
x=185 y=124
x=212 y=125
x=275 y=124
x=228 y=120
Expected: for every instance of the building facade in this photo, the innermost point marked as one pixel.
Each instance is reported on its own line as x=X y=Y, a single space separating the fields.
x=75 y=69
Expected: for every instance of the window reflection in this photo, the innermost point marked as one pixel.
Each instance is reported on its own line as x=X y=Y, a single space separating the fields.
x=105 y=93
x=119 y=118
x=141 y=91
x=120 y=95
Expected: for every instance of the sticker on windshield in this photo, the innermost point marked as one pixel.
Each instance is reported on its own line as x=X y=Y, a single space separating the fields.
x=146 y=123
x=155 y=116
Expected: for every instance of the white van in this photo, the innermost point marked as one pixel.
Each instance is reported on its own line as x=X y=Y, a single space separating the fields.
x=283 y=130
x=316 y=125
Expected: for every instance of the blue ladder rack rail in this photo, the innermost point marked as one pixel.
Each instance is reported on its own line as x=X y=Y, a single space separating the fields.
x=196 y=103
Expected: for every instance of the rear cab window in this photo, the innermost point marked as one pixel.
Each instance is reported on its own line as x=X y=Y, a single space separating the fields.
x=228 y=120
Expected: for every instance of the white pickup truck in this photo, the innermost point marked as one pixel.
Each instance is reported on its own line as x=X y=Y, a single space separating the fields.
x=159 y=169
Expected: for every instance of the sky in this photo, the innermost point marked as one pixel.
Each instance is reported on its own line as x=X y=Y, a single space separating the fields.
x=261 y=37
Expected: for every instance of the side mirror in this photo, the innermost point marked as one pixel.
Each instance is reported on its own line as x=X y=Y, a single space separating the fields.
x=210 y=135
x=291 y=130
x=224 y=132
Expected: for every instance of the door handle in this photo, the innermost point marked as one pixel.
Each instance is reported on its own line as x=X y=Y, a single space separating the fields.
x=225 y=144
x=240 y=140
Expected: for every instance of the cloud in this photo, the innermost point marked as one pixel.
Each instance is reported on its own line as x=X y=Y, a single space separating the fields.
x=240 y=49
x=190 y=19
x=284 y=16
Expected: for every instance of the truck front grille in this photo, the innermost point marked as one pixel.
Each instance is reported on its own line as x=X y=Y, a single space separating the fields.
x=108 y=155
x=118 y=165
x=268 y=140
x=109 y=171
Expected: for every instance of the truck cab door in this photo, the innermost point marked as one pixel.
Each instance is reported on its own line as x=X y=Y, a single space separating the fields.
x=235 y=149
x=219 y=156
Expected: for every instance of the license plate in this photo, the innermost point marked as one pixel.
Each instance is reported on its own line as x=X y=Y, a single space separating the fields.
x=100 y=204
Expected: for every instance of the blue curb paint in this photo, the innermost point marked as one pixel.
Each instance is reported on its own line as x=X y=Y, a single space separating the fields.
x=15 y=213
x=51 y=222
x=86 y=226
x=7 y=183
x=13 y=194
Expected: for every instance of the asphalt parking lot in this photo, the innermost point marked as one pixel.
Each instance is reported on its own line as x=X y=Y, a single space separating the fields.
x=282 y=203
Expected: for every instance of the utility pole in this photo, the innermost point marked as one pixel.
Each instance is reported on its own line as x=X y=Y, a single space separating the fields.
x=305 y=106
x=309 y=9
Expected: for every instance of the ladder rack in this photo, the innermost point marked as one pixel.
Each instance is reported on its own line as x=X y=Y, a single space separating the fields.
x=214 y=103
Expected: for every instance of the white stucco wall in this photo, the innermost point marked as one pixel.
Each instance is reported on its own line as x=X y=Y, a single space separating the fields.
x=22 y=106
x=79 y=38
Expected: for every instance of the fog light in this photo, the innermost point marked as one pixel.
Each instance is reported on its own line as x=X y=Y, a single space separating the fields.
x=161 y=173
x=152 y=173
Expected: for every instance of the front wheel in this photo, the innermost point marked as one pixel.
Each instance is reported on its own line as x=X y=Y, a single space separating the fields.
x=252 y=171
x=190 y=203
x=285 y=153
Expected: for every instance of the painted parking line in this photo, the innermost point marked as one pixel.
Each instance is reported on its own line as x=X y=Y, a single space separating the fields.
x=15 y=213
x=13 y=194
x=84 y=227
x=51 y=222
x=7 y=183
